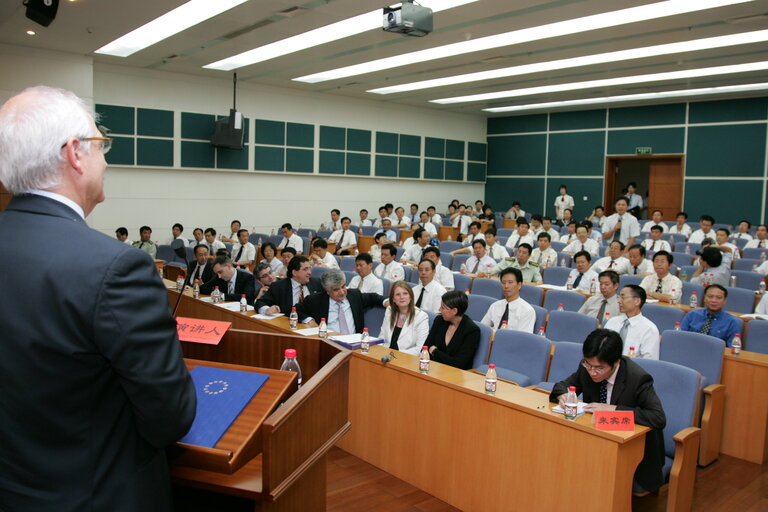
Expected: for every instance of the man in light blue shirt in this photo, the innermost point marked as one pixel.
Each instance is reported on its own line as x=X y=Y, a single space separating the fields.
x=711 y=319
x=386 y=228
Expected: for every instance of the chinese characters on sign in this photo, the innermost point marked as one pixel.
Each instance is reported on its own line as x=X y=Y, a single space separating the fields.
x=614 y=420
x=197 y=330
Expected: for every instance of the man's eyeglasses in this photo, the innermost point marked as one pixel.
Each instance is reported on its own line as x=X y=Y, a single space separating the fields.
x=597 y=369
x=106 y=143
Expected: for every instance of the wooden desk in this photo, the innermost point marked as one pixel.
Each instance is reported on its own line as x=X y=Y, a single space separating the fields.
x=364 y=243
x=510 y=223
x=405 y=234
x=444 y=232
x=441 y=433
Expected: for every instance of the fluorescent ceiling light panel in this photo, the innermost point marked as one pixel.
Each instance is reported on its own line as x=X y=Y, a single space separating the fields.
x=333 y=32
x=587 y=60
x=609 y=82
x=633 y=97
x=167 y=25
x=561 y=28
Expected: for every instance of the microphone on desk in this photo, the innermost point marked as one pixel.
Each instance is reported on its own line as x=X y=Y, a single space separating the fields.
x=386 y=359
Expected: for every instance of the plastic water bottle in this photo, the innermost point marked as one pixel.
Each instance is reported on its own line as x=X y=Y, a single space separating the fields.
x=272 y=233
x=294 y=319
x=365 y=341
x=180 y=283
x=490 y=380
x=672 y=299
x=243 y=304
x=196 y=289
x=290 y=364
x=562 y=262
x=259 y=241
x=592 y=287
x=733 y=282
x=449 y=238
x=677 y=326
x=216 y=295
x=694 y=302
x=687 y=249
x=684 y=276
x=571 y=404
x=466 y=292
x=569 y=283
x=762 y=256
x=503 y=326
x=424 y=360
x=542 y=333
x=736 y=344
x=560 y=307
x=761 y=288
x=322 y=330
x=632 y=352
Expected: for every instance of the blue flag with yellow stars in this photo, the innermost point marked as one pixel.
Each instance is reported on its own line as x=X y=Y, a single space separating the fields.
x=221 y=397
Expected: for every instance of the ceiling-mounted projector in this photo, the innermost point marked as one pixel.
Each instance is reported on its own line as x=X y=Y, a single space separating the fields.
x=409 y=19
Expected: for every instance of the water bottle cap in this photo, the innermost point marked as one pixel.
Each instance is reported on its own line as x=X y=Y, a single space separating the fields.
x=217 y=287
x=292 y=309
x=491 y=366
x=424 y=347
x=677 y=323
x=322 y=319
x=559 y=305
x=572 y=388
x=290 y=352
x=631 y=348
x=242 y=296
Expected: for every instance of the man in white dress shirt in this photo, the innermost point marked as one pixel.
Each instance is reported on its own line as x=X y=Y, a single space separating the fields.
x=546 y=227
x=603 y=305
x=544 y=255
x=621 y=226
x=638 y=265
x=681 y=227
x=401 y=221
x=365 y=281
x=386 y=228
x=425 y=223
x=657 y=219
x=583 y=243
x=434 y=217
x=291 y=239
x=512 y=309
x=243 y=252
x=515 y=211
x=760 y=240
x=655 y=243
x=383 y=214
x=345 y=239
x=320 y=255
x=582 y=276
x=413 y=216
x=711 y=262
x=479 y=261
x=389 y=268
x=661 y=285
x=177 y=230
x=428 y=292
x=743 y=230
x=495 y=250
x=705 y=230
x=364 y=220
x=414 y=254
x=614 y=261
x=729 y=250
x=521 y=236
x=474 y=234
x=211 y=242
x=570 y=236
x=443 y=275
x=636 y=330
x=121 y=234
x=461 y=220
x=335 y=220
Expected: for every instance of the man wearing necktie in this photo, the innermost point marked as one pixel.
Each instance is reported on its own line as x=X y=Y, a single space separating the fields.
x=202 y=271
x=234 y=282
x=761 y=238
x=605 y=302
x=661 y=284
x=144 y=243
x=365 y=280
x=345 y=239
x=638 y=265
x=621 y=226
x=513 y=309
x=635 y=329
x=712 y=319
x=428 y=292
x=287 y=292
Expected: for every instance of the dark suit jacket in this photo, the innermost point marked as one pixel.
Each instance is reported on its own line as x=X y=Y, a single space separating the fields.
x=460 y=352
x=244 y=284
x=317 y=306
x=632 y=391
x=281 y=294
x=207 y=273
x=92 y=379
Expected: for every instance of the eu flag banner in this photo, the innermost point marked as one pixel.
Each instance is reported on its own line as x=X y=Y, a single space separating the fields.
x=221 y=397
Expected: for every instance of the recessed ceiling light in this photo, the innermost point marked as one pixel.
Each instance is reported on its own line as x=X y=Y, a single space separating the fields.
x=586 y=60
x=31 y=32
x=322 y=35
x=633 y=97
x=171 y=23
x=609 y=82
x=561 y=28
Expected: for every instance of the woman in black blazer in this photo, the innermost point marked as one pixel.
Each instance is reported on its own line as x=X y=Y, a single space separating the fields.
x=454 y=337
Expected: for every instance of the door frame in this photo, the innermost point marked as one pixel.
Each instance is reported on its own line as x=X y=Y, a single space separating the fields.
x=609 y=178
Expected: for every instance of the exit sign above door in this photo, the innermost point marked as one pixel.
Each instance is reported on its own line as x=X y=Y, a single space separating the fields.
x=644 y=151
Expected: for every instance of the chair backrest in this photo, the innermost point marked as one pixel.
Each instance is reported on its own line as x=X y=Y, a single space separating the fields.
x=478 y=306
x=488 y=287
x=747 y=280
x=522 y=352
x=349 y=274
x=306 y=243
x=626 y=279
x=446 y=259
x=323 y=233
x=318 y=271
x=569 y=326
x=432 y=317
x=692 y=247
x=688 y=289
x=541 y=317
x=306 y=232
x=673 y=238
x=347 y=263
x=164 y=252
x=567 y=257
x=369 y=230
x=449 y=245
x=746 y=264
x=571 y=301
x=686 y=271
x=756 y=253
x=678 y=389
x=481 y=356
x=275 y=239
x=507 y=232
x=739 y=242
x=565 y=360
x=400 y=251
x=701 y=352
x=557 y=276
x=462 y=282
x=756 y=338
x=664 y=317
x=533 y=295
x=740 y=300
x=413 y=276
x=458 y=260
x=720 y=225
x=372 y=319
x=407 y=271
x=387 y=285
x=558 y=246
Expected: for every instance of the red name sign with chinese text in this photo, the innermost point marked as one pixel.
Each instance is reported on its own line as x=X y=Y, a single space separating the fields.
x=197 y=330
x=614 y=420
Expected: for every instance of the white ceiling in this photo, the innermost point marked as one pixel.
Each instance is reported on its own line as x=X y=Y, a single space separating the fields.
x=82 y=26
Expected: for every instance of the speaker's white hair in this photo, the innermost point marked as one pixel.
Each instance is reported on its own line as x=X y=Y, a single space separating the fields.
x=33 y=127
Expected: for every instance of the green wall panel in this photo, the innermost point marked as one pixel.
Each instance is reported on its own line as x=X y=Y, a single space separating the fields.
x=121 y=152
x=647 y=116
x=454 y=170
x=578 y=188
x=268 y=158
x=475 y=171
x=477 y=152
x=232 y=158
x=301 y=135
x=434 y=147
x=579 y=120
x=410 y=145
x=386 y=143
x=270 y=132
x=197 y=154
x=331 y=162
x=434 y=169
x=501 y=192
x=517 y=124
x=332 y=137
x=154 y=152
x=299 y=160
x=386 y=166
x=662 y=140
x=577 y=153
x=454 y=149
x=726 y=150
x=157 y=123
x=749 y=109
x=118 y=119
x=197 y=126
x=409 y=167
x=359 y=140
x=359 y=164
x=727 y=201
x=521 y=154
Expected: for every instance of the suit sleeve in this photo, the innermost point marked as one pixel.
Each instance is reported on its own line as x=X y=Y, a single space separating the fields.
x=372 y=300
x=465 y=353
x=648 y=411
x=269 y=298
x=135 y=331
x=207 y=288
x=562 y=386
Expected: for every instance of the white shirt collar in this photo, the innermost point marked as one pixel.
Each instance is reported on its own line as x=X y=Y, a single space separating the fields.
x=61 y=199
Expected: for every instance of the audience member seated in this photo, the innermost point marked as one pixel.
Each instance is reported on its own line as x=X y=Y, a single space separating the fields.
x=711 y=269
x=364 y=220
x=705 y=230
x=614 y=261
x=344 y=238
x=383 y=214
x=379 y=239
x=522 y=262
x=655 y=243
x=662 y=285
x=515 y=211
x=335 y=220
x=605 y=304
x=286 y=255
x=197 y=233
x=761 y=238
x=582 y=276
x=425 y=223
x=712 y=319
x=144 y=243
x=743 y=231
x=657 y=219
x=232 y=282
x=479 y=263
x=428 y=292
x=234 y=227
x=415 y=252
x=365 y=281
x=405 y=326
x=546 y=227
x=544 y=255
x=290 y=239
x=583 y=243
x=265 y=277
x=460 y=219
x=681 y=227
x=638 y=265
x=762 y=306
x=389 y=268
x=400 y=220
x=386 y=228
x=633 y=328
x=320 y=255
x=521 y=235
x=495 y=250
x=202 y=269
x=729 y=251
x=570 y=236
x=434 y=217
x=176 y=231
x=122 y=235
x=512 y=309
x=597 y=217
x=284 y=294
x=243 y=252
x=268 y=250
x=210 y=240
x=443 y=275
x=454 y=336
x=474 y=234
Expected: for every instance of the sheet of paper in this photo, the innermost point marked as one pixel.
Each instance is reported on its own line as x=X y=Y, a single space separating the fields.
x=309 y=331
x=651 y=301
x=267 y=317
x=552 y=287
x=351 y=339
x=755 y=316
x=232 y=306
x=580 y=409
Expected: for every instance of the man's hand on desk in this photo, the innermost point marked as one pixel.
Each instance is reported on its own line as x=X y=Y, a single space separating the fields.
x=310 y=323
x=272 y=310
x=595 y=406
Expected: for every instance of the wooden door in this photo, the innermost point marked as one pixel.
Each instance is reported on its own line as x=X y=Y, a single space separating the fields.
x=665 y=187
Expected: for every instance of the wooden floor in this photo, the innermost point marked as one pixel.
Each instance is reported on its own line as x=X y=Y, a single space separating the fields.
x=353 y=485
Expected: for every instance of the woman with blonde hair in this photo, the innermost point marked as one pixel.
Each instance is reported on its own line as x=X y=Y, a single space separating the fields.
x=405 y=326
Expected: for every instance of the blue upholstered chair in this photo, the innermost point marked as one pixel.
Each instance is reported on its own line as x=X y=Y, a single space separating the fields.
x=372 y=319
x=557 y=276
x=481 y=356
x=569 y=326
x=520 y=357
x=664 y=317
x=740 y=300
x=533 y=295
x=565 y=361
x=478 y=306
x=487 y=287
x=747 y=279
x=571 y=301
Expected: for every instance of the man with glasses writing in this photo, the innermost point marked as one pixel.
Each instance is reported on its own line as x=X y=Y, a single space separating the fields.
x=609 y=381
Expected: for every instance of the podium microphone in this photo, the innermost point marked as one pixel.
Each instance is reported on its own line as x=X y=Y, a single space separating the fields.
x=386 y=359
